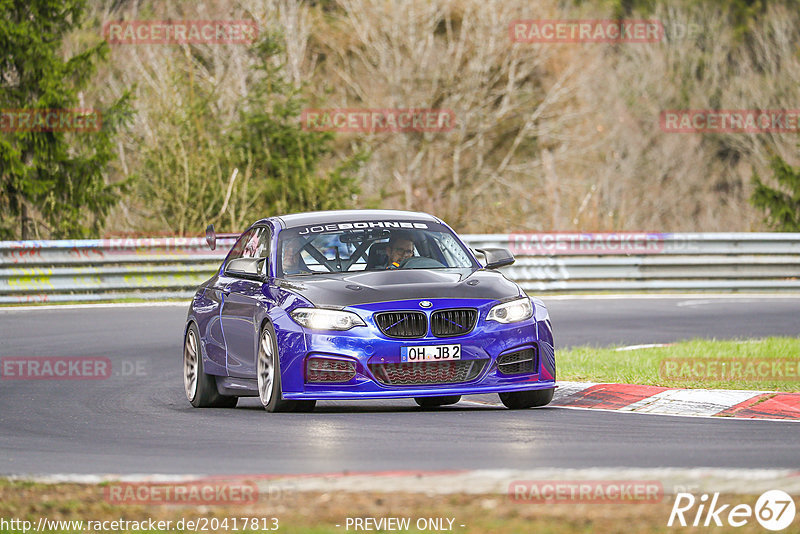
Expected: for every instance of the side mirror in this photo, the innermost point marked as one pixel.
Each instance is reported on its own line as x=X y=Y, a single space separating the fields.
x=496 y=257
x=211 y=237
x=248 y=268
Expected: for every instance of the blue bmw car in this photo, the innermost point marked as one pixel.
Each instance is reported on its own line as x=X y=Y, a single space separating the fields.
x=364 y=304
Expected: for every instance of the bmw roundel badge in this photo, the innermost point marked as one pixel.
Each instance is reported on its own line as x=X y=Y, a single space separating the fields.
x=425 y=304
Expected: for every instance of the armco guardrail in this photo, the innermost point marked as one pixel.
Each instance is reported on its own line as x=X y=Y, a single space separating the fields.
x=103 y=269
x=157 y=268
x=584 y=262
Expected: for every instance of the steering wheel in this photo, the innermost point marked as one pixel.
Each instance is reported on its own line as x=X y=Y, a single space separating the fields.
x=420 y=262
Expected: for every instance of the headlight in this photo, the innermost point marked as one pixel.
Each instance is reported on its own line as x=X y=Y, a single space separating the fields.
x=322 y=319
x=511 y=312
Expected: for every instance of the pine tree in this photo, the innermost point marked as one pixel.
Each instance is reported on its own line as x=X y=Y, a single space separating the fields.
x=286 y=157
x=204 y=170
x=52 y=183
x=781 y=204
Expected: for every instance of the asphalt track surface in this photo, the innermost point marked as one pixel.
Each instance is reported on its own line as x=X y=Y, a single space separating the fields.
x=139 y=422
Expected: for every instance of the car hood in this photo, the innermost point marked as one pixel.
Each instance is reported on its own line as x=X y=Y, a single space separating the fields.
x=350 y=289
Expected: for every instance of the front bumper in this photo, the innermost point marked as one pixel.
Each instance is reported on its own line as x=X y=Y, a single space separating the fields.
x=367 y=347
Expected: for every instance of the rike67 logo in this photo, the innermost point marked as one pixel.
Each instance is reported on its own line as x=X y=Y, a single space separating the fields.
x=774 y=510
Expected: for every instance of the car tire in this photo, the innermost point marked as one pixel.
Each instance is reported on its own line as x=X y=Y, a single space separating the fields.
x=268 y=375
x=433 y=402
x=517 y=400
x=200 y=388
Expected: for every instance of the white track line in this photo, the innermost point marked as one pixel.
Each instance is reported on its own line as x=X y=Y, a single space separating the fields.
x=694 y=416
x=698 y=403
x=647 y=346
x=628 y=412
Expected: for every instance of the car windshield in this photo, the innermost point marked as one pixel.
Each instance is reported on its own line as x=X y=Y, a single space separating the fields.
x=369 y=246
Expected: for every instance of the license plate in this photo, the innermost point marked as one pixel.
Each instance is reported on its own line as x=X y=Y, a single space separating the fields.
x=427 y=353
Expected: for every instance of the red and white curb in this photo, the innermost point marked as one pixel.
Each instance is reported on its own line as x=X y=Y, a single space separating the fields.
x=673 y=401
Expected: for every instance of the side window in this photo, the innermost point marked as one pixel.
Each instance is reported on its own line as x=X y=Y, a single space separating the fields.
x=252 y=244
x=453 y=254
x=238 y=249
x=251 y=247
x=264 y=239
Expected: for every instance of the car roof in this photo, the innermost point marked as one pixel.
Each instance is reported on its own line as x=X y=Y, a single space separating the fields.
x=334 y=216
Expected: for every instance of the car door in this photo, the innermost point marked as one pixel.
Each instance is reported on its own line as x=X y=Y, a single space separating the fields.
x=240 y=301
x=216 y=294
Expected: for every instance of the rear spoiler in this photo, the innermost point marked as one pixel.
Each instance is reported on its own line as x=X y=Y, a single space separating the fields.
x=211 y=237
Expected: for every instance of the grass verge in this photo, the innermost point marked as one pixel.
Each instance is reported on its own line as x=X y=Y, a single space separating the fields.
x=769 y=364
x=319 y=513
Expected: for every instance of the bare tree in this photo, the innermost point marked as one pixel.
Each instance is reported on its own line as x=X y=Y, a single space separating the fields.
x=547 y=136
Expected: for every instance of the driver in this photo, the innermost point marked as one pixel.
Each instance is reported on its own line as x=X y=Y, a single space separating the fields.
x=399 y=248
x=291 y=261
